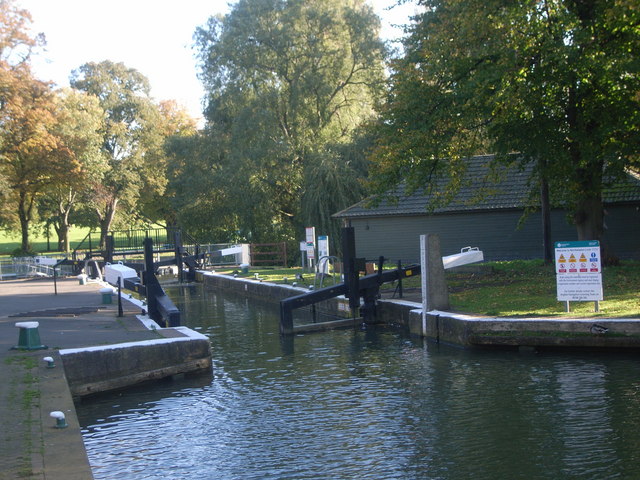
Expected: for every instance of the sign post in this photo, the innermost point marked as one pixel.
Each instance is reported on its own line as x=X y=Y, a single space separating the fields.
x=323 y=252
x=303 y=251
x=578 y=272
x=310 y=234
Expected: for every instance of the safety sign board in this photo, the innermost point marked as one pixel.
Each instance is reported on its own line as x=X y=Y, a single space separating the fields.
x=310 y=234
x=578 y=271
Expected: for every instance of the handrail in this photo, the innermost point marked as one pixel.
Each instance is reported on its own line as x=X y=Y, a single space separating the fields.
x=79 y=246
x=55 y=274
x=322 y=270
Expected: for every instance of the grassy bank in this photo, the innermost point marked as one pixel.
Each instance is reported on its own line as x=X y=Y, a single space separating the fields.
x=514 y=288
x=528 y=288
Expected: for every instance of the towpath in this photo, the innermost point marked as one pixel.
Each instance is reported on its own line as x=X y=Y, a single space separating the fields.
x=31 y=446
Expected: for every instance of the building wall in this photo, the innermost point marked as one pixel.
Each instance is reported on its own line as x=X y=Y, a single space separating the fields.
x=497 y=234
x=622 y=231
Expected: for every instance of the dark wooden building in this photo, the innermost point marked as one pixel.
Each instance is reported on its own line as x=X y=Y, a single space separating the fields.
x=488 y=215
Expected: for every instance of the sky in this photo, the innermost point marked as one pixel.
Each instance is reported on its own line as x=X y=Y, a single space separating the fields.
x=151 y=36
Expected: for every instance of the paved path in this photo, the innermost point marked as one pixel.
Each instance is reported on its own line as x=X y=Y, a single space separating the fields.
x=30 y=445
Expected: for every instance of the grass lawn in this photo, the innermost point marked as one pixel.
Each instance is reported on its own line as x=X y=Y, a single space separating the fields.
x=528 y=288
x=10 y=241
x=511 y=289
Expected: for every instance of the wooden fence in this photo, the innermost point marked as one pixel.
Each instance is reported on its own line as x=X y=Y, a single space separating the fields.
x=271 y=254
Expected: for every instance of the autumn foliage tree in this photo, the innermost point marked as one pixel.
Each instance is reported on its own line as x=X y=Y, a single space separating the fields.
x=174 y=126
x=79 y=126
x=32 y=157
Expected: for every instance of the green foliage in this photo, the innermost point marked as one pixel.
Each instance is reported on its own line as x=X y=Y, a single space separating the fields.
x=332 y=182
x=288 y=84
x=21 y=252
x=130 y=137
x=175 y=129
x=554 y=80
x=80 y=122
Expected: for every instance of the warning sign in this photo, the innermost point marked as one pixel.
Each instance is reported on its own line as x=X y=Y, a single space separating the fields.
x=578 y=271
x=579 y=288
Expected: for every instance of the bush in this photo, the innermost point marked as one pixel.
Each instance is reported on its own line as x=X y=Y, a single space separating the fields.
x=19 y=252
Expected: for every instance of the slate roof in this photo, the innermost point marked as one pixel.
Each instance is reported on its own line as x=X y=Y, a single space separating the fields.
x=627 y=190
x=510 y=191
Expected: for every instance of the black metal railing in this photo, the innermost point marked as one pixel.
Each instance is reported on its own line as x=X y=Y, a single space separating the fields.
x=132 y=242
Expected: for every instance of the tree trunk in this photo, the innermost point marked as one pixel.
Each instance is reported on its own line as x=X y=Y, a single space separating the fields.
x=106 y=219
x=545 y=207
x=62 y=227
x=25 y=208
x=63 y=235
x=24 y=229
x=589 y=218
x=56 y=227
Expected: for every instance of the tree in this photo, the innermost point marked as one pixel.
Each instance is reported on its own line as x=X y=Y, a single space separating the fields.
x=16 y=42
x=80 y=125
x=333 y=180
x=175 y=126
x=554 y=80
x=202 y=202
x=32 y=157
x=131 y=118
x=288 y=82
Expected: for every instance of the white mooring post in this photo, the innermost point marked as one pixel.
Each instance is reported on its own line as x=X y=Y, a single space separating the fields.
x=424 y=275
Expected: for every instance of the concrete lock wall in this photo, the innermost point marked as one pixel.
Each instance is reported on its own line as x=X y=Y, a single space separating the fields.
x=271 y=292
x=98 y=369
x=459 y=329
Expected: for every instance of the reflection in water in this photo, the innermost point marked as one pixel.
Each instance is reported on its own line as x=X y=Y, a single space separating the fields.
x=372 y=404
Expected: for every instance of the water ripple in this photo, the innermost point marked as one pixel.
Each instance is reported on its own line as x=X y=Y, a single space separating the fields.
x=369 y=405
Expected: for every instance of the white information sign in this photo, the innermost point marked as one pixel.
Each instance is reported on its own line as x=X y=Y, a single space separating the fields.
x=311 y=252
x=310 y=236
x=578 y=271
x=323 y=246
x=323 y=254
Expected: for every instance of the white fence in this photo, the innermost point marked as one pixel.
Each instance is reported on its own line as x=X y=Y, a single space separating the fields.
x=25 y=267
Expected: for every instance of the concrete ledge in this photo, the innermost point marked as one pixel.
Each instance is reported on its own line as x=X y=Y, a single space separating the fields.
x=459 y=329
x=473 y=331
x=98 y=369
x=64 y=453
x=272 y=292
